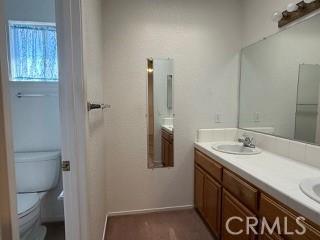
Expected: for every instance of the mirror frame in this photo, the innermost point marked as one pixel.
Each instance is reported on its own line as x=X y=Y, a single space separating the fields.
x=150 y=71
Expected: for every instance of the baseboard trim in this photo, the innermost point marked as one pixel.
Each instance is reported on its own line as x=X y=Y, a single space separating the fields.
x=150 y=210
x=104 y=236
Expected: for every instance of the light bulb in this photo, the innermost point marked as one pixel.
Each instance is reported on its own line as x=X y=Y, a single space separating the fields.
x=308 y=1
x=292 y=7
x=277 y=16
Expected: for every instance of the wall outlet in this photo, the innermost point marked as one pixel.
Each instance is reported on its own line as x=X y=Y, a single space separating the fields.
x=218 y=118
x=257 y=117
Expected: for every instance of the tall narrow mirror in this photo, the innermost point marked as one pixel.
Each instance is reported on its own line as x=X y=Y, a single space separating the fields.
x=160 y=114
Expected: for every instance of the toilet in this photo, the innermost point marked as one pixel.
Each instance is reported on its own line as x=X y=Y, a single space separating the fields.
x=36 y=174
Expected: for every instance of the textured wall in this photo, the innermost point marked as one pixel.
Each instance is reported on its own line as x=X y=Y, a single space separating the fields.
x=96 y=171
x=203 y=38
x=35 y=121
x=257 y=18
x=31 y=10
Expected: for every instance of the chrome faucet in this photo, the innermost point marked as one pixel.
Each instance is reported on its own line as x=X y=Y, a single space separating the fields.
x=247 y=141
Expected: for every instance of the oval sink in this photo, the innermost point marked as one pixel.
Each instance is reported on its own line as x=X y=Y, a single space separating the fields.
x=311 y=187
x=235 y=149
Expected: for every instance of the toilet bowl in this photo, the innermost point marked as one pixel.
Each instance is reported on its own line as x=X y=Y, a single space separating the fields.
x=36 y=173
x=29 y=217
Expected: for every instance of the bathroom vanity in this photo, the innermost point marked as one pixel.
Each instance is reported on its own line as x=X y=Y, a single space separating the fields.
x=167 y=146
x=229 y=185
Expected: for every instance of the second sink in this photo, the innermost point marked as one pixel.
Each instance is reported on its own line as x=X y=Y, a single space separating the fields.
x=311 y=187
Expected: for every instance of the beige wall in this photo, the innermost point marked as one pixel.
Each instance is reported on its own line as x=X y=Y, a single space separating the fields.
x=203 y=38
x=257 y=16
x=92 y=37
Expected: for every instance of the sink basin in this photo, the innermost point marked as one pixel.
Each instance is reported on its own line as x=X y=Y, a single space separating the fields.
x=235 y=148
x=311 y=187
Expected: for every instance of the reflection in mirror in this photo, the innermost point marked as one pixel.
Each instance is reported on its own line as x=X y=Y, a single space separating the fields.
x=280 y=84
x=160 y=113
x=306 y=128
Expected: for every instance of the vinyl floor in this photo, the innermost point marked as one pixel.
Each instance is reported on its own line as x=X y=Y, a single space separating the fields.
x=175 y=225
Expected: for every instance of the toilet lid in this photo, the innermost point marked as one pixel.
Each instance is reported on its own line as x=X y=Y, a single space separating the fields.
x=36 y=156
x=26 y=203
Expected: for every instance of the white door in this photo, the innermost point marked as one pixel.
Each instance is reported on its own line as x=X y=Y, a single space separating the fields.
x=73 y=122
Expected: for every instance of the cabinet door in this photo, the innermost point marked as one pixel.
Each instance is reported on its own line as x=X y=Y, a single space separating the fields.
x=212 y=204
x=272 y=210
x=165 y=153
x=170 y=155
x=269 y=237
x=198 y=189
x=231 y=208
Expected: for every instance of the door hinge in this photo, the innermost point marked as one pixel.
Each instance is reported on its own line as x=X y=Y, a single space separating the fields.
x=65 y=166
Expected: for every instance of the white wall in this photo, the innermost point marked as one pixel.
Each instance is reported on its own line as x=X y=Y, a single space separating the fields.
x=318 y=122
x=257 y=18
x=203 y=38
x=31 y=10
x=35 y=121
x=93 y=66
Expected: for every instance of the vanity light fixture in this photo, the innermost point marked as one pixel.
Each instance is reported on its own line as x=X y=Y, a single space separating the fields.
x=296 y=11
x=277 y=16
x=292 y=7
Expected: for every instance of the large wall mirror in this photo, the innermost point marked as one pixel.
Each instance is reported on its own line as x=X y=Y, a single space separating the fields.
x=160 y=90
x=280 y=84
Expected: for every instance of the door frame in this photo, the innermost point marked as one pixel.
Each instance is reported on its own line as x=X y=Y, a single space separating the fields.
x=73 y=109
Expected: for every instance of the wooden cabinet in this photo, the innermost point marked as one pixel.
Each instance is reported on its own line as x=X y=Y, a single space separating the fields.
x=232 y=208
x=267 y=236
x=211 y=167
x=272 y=211
x=221 y=194
x=208 y=192
x=167 y=148
x=199 y=176
x=212 y=204
x=241 y=190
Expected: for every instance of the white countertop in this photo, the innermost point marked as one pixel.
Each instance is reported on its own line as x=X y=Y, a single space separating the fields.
x=168 y=128
x=276 y=175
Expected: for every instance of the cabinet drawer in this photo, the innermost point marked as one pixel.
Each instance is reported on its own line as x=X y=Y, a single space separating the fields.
x=271 y=210
x=213 y=168
x=231 y=207
x=247 y=194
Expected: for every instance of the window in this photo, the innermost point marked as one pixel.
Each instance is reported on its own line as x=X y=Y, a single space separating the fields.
x=33 y=52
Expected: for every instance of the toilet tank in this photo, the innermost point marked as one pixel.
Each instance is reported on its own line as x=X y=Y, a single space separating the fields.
x=37 y=171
